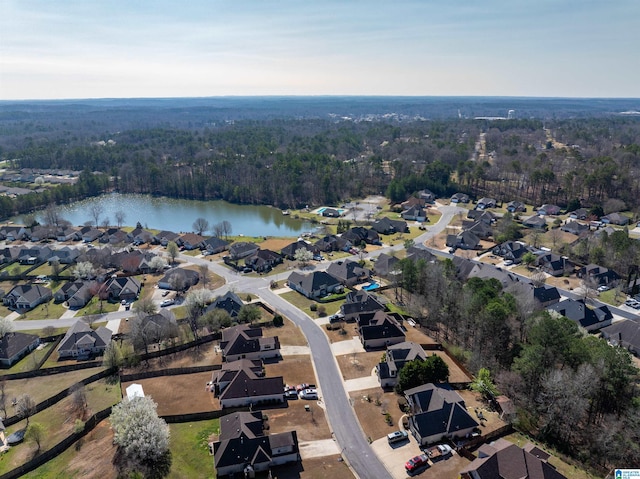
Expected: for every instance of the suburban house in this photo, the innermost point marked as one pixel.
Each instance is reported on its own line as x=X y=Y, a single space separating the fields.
x=333 y=243
x=35 y=255
x=314 y=285
x=385 y=264
x=40 y=233
x=119 y=288
x=26 y=296
x=88 y=234
x=506 y=460
x=230 y=302
x=133 y=261
x=190 y=241
x=463 y=240
x=64 y=255
x=221 y=378
x=76 y=293
x=460 y=198
x=242 y=250
x=140 y=236
x=115 y=236
x=164 y=237
x=414 y=213
x=359 y=302
x=179 y=279
x=416 y=253
x=484 y=203
x=486 y=217
x=331 y=213
x=545 y=296
x=158 y=327
x=511 y=250
x=15 y=346
x=427 y=195
x=397 y=356
x=243 y=448
x=413 y=201
x=66 y=233
x=359 y=234
x=243 y=341
x=349 y=273
x=437 y=413
x=388 y=226
x=624 y=334
x=289 y=251
x=599 y=275
x=379 y=330
x=554 y=264
x=214 y=245
x=516 y=207
x=13 y=233
x=615 y=219
x=574 y=227
x=579 y=214
x=588 y=318
x=263 y=260
x=535 y=222
x=552 y=210
x=82 y=342
x=478 y=228
x=9 y=255
x=465 y=269
x=247 y=390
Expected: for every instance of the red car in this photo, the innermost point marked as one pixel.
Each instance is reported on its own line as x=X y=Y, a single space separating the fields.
x=416 y=463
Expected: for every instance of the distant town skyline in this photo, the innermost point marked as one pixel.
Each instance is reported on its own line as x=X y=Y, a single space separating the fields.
x=125 y=49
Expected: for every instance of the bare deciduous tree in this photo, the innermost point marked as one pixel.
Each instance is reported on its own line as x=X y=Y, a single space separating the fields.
x=200 y=225
x=25 y=407
x=120 y=216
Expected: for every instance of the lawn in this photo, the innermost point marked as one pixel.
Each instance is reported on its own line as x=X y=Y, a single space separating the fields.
x=29 y=362
x=44 y=269
x=304 y=304
x=43 y=387
x=612 y=297
x=190 y=447
x=94 y=307
x=49 y=310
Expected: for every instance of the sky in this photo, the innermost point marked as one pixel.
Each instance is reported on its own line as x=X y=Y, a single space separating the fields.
x=137 y=48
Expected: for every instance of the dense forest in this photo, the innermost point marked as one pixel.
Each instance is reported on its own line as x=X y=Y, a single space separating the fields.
x=290 y=163
x=572 y=390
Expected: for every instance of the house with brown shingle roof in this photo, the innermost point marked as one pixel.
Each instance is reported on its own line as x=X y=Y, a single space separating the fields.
x=505 y=460
x=245 y=342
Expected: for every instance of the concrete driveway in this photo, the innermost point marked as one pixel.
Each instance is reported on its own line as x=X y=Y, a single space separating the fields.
x=349 y=346
x=320 y=448
x=294 y=350
x=394 y=456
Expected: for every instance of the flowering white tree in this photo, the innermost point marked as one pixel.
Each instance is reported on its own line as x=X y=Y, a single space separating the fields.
x=138 y=430
x=84 y=270
x=157 y=263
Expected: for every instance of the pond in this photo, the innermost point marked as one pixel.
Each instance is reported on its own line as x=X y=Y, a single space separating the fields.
x=179 y=215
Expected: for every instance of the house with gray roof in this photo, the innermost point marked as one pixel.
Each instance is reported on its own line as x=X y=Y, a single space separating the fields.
x=65 y=255
x=214 y=245
x=460 y=198
x=463 y=240
x=437 y=413
x=76 y=293
x=624 y=334
x=245 y=342
x=314 y=285
x=289 y=251
x=246 y=390
x=349 y=273
x=385 y=264
x=388 y=226
x=414 y=213
x=574 y=227
x=14 y=346
x=82 y=342
x=615 y=219
x=360 y=302
x=243 y=448
x=395 y=358
x=179 y=279
x=221 y=378
x=26 y=296
x=591 y=319
x=125 y=287
x=164 y=237
x=230 y=302
x=379 y=330
x=535 y=222
x=242 y=249
x=505 y=460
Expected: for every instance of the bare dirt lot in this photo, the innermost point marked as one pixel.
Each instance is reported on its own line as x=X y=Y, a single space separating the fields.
x=370 y=406
x=289 y=334
x=202 y=356
x=347 y=332
x=475 y=405
x=94 y=459
x=317 y=468
x=276 y=244
x=310 y=425
x=358 y=365
x=181 y=394
x=294 y=370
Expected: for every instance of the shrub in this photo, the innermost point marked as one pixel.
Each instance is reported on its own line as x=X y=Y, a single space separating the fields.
x=322 y=311
x=313 y=307
x=278 y=321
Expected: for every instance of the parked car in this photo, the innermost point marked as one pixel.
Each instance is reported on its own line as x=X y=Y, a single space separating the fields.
x=303 y=386
x=291 y=394
x=308 y=394
x=416 y=463
x=439 y=452
x=603 y=288
x=167 y=302
x=336 y=318
x=397 y=436
x=508 y=262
